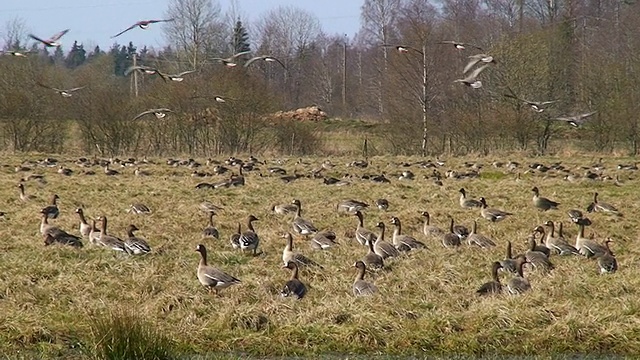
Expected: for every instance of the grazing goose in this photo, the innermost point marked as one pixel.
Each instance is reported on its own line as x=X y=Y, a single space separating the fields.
x=231 y=61
x=85 y=227
x=289 y=255
x=452 y=238
x=210 y=276
x=52 y=41
x=52 y=210
x=360 y=286
x=135 y=245
x=266 y=58
x=23 y=196
x=293 y=287
x=493 y=286
x=211 y=230
x=607 y=261
x=142 y=24
x=382 y=247
x=468 y=203
x=371 y=259
x=602 y=207
x=351 y=206
x=382 y=204
x=108 y=241
x=235 y=238
x=518 y=284
x=139 y=208
x=249 y=239
x=575 y=120
x=493 y=215
x=472 y=79
x=428 y=229
x=509 y=263
x=542 y=203
x=300 y=225
x=537 y=258
x=404 y=242
x=323 y=240
x=363 y=235
x=588 y=247
x=284 y=209
x=474 y=59
x=478 y=239
x=556 y=244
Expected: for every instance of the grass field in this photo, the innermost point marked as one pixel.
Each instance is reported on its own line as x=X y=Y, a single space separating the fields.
x=59 y=301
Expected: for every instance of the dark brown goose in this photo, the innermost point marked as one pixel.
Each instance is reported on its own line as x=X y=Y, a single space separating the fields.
x=607 y=261
x=518 y=284
x=293 y=287
x=211 y=230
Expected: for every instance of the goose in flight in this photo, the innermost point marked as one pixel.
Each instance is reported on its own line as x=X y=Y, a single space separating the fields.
x=266 y=58
x=177 y=77
x=159 y=113
x=575 y=120
x=459 y=45
x=404 y=49
x=488 y=59
x=143 y=24
x=471 y=80
x=17 y=53
x=147 y=70
x=64 y=92
x=52 y=41
x=231 y=61
x=537 y=106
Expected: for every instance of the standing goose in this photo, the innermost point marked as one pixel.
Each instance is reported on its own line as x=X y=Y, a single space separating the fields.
x=135 y=245
x=235 y=238
x=493 y=286
x=85 y=227
x=586 y=246
x=537 y=258
x=542 y=203
x=52 y=210
x=478 y=239
x=518 y=284
x=371 y=259
x=602 y=207
x=139 y=208
x=509 y=263
x=493 y=215
x=382 y=247
x=360 y=286
x=428 y=229
x=363 y=235
x=211 y=230
x=289 y=255
x=404 y=242
x=23 y=196
x=558 y=245
x=607 y=261
x=467 y=203
x=94 y=234
x=451 y=239
x=293 y=287
x=107 y=240
x=210 y=276
x=300 y=225
x=249 y=239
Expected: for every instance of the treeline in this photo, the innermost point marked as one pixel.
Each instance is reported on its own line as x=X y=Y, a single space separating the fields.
x=582 y=54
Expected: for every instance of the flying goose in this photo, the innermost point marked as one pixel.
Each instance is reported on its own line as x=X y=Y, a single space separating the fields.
x=588 y=247
x=266 y=58
x=23 y=196
x=607 y=261
x=371 y=259
x=542 y=203
x=575 y=120
x=142 y=24
x=52 y=210
x=63 y=92
x=85 y=227
x=459 y=45
x=518 y=284
x=404 y=242
x=493 y=286
x=493 y=215
x=382 y=247
x=363 y=235
x=474 y=59
x=452 y=238
x=403 y=49
x=159 y=113
x=148 y=70
x=231 y=61
x=249 y=239
x=472 y=79
x=108 y=241
x=16 y=53
x=428 y=229
x=179 y=76
x=211 y=230
x=556 y=244
x=293 y=287
x=508 y=263
x=537 y=258
x=52 y=41
x=289 y=255
x=135 y=245
x=210 y=276
x=478 y=239
x=360 y=286
x=301 y=225
x=351 y=206
x=537 y=106
x=468 y=203
x=602 y=207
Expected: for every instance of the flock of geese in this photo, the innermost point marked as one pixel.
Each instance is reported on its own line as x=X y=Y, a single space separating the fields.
x=546 y=240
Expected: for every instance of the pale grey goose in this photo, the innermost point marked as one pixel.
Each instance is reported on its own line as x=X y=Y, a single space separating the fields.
x=360 y=286
x=602 y=207
x=403 y=242
x=108 y=241
x=323 y=240
x=289 y=255
x=293 y=287
x=301 y=225
x=284 y=209
x=556 y=244
x=588 y=247
x=474 y=59
x=428 y=229
x=472 y=79
x=493 y=286
x=85 y=227
x=231 y=60
x=135 y=245
x=575 y=120
x=478 y=239
x=351 y=206
x=493 y=215
x=211 y=277
x=363 y=235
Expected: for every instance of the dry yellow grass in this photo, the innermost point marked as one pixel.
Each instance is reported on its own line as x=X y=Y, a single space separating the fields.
x=51 y=296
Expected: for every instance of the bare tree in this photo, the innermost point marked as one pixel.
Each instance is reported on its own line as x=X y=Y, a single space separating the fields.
x=14 y=34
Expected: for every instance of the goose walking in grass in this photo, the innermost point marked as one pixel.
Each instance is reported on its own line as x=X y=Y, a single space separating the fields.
x=558 y=245
x=607 y=262
x=542 y=203
x=494 y=286
x=142 y=24
x=472 y=79
x=467 y=203
x=493 y=215
x=602 y=207
x=108 y=241
x=519 y=284
x=508 y=263
x=363 y=235
x=478 y=239
x=451 y=239
x=289 y=255
x=300 y=225
x=323 y=240
x=52 y=209
x=52 y=41
x=94 y=234
x=382 y=247
x=588 y=247
x=403 y=242
x=63 y=92
x=23 y=195
x=293 y=287
x=211 y=277
x=428 y=229
x=575 y=120
x=266 y=58
x=211 y=230
x=459 y=45
x=159 y=113
x=231 y=61
x=360 y=286
x=249 y=239
x=135 y=245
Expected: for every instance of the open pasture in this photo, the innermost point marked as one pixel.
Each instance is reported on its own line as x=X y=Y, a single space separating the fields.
x=55 y=300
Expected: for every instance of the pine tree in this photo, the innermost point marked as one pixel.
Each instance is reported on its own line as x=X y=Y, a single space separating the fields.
x=76 y=57
x=58 y=56
x=240 y=41
x=96 y=53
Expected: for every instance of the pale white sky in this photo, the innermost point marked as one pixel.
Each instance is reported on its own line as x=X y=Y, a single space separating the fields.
x=94 y=21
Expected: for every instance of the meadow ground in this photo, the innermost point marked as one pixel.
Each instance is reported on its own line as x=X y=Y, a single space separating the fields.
x=58 y=301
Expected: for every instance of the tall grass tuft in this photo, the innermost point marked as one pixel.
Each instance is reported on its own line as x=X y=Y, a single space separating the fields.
x=122 y=335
